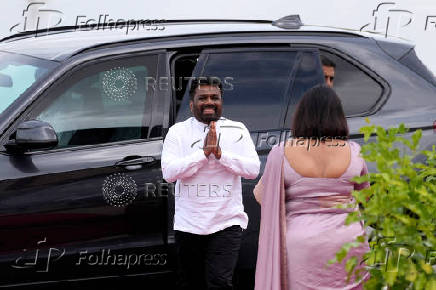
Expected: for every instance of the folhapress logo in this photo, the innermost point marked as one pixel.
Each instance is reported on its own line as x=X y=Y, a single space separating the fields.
x=36 y=17
x=388 y=19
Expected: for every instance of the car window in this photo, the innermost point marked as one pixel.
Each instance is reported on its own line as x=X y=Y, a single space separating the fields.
x=183 y=66
x=105 y=103
x=307 y=74
x=356 y=89
x=255 y=85
x=17 y=73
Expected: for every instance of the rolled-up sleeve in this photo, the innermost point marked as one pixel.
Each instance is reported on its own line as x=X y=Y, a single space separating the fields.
x=174 y=164
x=243 y=161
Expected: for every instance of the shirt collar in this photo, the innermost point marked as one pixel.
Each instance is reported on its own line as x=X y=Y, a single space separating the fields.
x=198 y=124
x=202 y=125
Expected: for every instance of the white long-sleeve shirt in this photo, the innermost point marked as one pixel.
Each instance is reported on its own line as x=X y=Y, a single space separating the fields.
x=208 y=193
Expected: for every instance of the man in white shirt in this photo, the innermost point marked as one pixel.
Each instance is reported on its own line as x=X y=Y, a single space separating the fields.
x=207 y=155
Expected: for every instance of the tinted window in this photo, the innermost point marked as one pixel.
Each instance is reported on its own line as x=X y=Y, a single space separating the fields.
x=255 y=85
x=357 y=90
x=104 y=103
x=308 y=74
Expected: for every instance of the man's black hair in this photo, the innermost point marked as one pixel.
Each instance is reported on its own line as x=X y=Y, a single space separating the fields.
x=327 y=61
x=210 y=81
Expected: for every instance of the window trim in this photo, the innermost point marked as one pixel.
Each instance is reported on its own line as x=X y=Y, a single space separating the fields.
x=386 y=88
x=40 y=99
x=295 y=71
x=173 y=57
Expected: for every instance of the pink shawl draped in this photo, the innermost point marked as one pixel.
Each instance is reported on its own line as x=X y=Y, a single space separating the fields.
x=271 y=266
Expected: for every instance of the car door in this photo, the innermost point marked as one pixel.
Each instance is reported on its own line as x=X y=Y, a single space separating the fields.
x=261 y=85
x=92 y=206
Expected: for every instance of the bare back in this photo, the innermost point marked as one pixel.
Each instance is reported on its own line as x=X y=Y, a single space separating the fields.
x=323 y=160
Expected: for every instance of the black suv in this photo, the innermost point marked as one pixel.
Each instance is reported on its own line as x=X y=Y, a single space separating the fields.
x=83 y=115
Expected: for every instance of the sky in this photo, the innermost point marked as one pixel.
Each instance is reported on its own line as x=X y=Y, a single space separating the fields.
x=414 y=20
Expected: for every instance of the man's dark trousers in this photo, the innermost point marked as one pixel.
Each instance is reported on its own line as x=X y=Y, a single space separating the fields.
x=207 y=261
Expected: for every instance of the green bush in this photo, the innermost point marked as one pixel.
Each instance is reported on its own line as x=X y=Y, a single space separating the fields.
x=400 y=207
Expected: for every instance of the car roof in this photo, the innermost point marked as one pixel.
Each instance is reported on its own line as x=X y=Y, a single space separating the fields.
x=63 y=42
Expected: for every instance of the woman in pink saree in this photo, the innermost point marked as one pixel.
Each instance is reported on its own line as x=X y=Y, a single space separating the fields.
x=304 y=179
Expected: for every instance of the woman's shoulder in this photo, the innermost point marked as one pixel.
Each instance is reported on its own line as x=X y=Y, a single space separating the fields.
x=279 y=146
x=277 y=149
x=355 y=147
x=357 y=159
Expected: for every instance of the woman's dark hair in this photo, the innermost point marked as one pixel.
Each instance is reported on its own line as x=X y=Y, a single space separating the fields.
x=319 y=114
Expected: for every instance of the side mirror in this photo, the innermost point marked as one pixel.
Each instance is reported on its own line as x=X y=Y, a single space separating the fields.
x=32 y=134
x=5 y=81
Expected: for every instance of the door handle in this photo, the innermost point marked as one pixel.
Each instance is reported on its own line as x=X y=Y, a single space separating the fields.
x=131 y=161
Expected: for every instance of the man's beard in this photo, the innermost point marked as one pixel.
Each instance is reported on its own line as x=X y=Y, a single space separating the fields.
x=206 y=118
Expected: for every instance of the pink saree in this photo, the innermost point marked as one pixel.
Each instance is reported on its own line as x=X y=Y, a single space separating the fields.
x=299 y=219
x=271 y=268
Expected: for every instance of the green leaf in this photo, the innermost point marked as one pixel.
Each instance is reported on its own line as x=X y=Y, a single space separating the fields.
x=350 y=265
x=420 y=281
x=426 y=267
x=391 y=277
x=411 y=273
x=341 y=254
x=400 y=206
x=416 y=137
x=431 y=285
